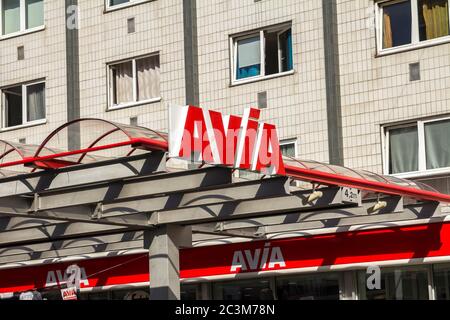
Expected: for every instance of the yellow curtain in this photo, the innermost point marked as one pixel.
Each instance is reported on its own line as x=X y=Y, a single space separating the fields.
x=387 y=31
x=435 y=14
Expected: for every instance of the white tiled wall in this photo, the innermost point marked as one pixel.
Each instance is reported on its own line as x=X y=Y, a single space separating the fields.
x=377 y=91
x=45 y=57
x=296 y=103
x=104 y=39
x=374 y=90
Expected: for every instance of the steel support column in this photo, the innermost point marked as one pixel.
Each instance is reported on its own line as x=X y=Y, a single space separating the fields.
x=163 y=244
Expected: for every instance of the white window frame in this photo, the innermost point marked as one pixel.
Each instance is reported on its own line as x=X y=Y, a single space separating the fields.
x=293 y=141
x=262 y=76
x=135 y=102
x=25 y=122
x=290 y=141
x=23 y=22
x=422 y=159
x=415 y=36
x=109 y=7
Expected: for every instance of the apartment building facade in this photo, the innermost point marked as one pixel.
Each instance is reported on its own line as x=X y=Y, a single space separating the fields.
x=365 y=84
x=337 y=90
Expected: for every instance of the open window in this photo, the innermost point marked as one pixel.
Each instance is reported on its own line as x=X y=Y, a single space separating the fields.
x=263 y=53
x=23 y=104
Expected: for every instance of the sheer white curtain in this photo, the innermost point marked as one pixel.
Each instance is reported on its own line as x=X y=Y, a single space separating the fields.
x=35 y=13
x=123 y=82
x=437 y=144
x=403 y=150
x=36 y=102
x=10 y=16
x=148 y=78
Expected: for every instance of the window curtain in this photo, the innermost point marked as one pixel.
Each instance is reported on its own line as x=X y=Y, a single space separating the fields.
x=123 y=82
x=290 y=60
x=435 y=16
x=437 y=144
x=248 y=58
x=11 y=16
x=35 y=13
x=286 y=50
x=403 y=150
x=387 y=31
x=148 y=77
x=36 y=102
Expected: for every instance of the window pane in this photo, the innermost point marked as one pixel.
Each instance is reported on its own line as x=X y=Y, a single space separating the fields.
x=122 y=78
x=433 y=19
x=441 y=277
x=11 y=16
x=396 y=284
x=396 y=24
x=13 y=106
x=148 y=76
x=36 y=102
x=248 y=58
x=286 y=51
x=437 y=144
x=271 y=54
x=243 y=290
x=189 y=292
x=35 y=13
x=116 y=2
x=309 y=287
x=288 y=150
x=403 y=150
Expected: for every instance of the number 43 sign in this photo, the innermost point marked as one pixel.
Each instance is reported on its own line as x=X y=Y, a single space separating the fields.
x=73 y=283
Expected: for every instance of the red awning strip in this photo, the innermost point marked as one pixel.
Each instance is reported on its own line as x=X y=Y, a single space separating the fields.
x=146 y=143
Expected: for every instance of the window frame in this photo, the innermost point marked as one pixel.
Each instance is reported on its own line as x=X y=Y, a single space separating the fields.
x=25 y=122
x=422 y=157
x=392 y=267
x=293 y=141
x=415 y=32
x=110 y=87
x=23 y=22
x=233 y=42
x=130 y=3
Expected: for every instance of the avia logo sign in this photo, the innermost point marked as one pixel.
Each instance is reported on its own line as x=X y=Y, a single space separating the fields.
x=59 y=277
x=260 y=259
x=201 y=135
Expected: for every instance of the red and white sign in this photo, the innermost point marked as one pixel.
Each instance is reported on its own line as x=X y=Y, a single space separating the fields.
x=336 y=249
x=201 y=135
x=69 y=293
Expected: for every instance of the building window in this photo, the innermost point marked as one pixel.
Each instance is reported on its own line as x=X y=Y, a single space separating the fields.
x=263 y=53
x=419 y=148
x=117 y=2
x=243 y=290
x=21 y=15
x=409 y=23
x=134 y=81
x=23 y=104
x=441 y=280
x=113 y=4
x=289 y=148
x=405 y=283
x=309 y=287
